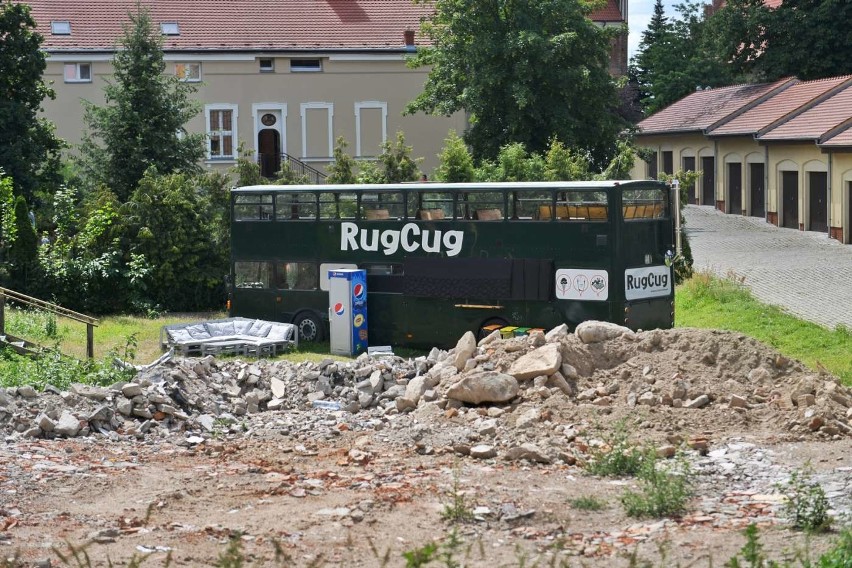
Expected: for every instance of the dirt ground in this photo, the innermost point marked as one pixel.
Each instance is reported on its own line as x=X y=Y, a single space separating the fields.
x=379 y=490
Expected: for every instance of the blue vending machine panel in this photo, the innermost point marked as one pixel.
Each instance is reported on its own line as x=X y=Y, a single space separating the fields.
x=348 y=311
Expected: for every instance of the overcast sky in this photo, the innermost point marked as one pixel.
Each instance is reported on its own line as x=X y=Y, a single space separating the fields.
x=639 y=14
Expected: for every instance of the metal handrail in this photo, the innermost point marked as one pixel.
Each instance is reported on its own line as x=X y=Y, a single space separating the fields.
x=52 y=308
x=301 y=168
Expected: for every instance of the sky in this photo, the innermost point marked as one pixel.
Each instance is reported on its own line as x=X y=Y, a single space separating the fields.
x=639 y=13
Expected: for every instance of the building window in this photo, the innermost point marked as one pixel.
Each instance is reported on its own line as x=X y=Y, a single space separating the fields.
x=221 y=131
x=371 y=128
x=170 y=28
x=60 y=27
x=317 y=129
x=301 y=65
x=189 y=72
x=267 y=65
x=78 y=72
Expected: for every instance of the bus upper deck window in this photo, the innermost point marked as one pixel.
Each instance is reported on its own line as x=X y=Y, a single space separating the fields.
x=643 y=204
x=582 y=206
x=430 y=206
x=253 y=208
x=481 y=206
x=382 y=206
x=296 y=206
x=531 y=205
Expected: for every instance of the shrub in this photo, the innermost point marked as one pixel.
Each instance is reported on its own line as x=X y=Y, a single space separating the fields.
x=664 y=492
x=807 y=506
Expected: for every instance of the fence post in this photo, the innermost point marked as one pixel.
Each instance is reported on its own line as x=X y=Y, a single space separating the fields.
x=2 y=313
x=90 y=340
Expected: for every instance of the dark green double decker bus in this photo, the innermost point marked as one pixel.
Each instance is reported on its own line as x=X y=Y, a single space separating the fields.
x=442 y=259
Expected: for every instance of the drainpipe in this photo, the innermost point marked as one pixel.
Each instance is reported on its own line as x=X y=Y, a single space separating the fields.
x=716 y=173
x=766 y=183
x=828 y=194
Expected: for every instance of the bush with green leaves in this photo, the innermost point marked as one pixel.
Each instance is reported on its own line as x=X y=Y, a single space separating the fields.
x=807 y=506
x=665 y=488
x=618 y=457
x=342 y=170
x=456 y=161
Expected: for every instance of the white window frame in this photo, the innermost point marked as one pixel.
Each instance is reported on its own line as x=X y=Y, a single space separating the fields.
x=234 y=137
x=359 y=106
x=300 y=69
x=303 y=108
x=257 y=110
x=170 y=28
x=262 y=69
x=77 y=68
x=60 y=27
x=188 y=65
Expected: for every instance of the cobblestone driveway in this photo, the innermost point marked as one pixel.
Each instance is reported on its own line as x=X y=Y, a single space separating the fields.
x=806 y=273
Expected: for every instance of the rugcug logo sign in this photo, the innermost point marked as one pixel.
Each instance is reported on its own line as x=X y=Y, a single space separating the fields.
x=647 y=282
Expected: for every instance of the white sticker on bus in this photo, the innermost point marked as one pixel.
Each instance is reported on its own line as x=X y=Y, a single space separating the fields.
x=647 y=282
x=582 y=284
x=411 y=237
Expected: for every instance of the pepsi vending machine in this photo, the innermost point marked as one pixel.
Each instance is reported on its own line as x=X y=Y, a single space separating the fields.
x=347 y=311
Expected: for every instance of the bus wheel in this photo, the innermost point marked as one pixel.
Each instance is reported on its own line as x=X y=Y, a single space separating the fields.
x=481 y=334
x=309 y=326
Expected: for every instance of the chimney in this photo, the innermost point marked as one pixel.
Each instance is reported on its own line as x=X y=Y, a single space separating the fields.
x=408 y=35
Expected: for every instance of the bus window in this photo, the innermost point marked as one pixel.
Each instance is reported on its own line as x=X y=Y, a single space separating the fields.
x=297 y=276
x=582 y=205
x=296 y=206
x=430 y=206
x=338 y=205
x=384 y=277
x=639 y=204
x=252 y=207
x=252 y=274
x=328 y=206
x=481 y=206
x=532 y=205
x=382 y=206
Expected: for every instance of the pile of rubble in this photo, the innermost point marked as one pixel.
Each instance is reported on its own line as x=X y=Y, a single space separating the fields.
x=525 y=397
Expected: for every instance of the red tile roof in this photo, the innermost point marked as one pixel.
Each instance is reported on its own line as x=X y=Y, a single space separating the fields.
x=233 y=25
x=816 y=121
x=702 y=109
x=775 y=108
x=844 y=138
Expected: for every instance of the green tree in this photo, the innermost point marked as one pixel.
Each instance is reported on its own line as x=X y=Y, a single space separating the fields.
x=564 y=164
x=169 y=225
x=678 y=56
x=809 y=39
x=342 y=170
x=524 y=71
x=396 y=163
x=29 y=150
x=142 y=122
x=23 y=251
x=456 y=163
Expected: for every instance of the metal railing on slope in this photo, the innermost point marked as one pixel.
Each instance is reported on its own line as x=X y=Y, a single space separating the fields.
x=272 y=162
x=52 y=308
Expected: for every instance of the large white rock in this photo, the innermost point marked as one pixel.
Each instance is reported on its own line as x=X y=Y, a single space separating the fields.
x=596 y=331
x=488 y=386
x=545 y=360
x=464 y=350
x=68 y=425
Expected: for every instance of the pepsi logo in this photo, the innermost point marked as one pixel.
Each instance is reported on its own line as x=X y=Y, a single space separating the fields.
x=338 y=309
x=358 y=291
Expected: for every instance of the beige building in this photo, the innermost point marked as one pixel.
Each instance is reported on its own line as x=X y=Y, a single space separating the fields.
x=781 y=151
x=285 y=79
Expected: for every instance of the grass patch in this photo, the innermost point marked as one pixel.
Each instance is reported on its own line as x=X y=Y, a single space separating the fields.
x=587 y=503
x=705 y=301
x=617 y=457
x=665 y=489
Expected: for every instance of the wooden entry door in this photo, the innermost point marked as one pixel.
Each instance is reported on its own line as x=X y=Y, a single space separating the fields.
x=756 y=175
x=708 y=182
x=691 y=195
x=735 y=188
x=790 y=200
x=269 y=151
x=818 y=201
